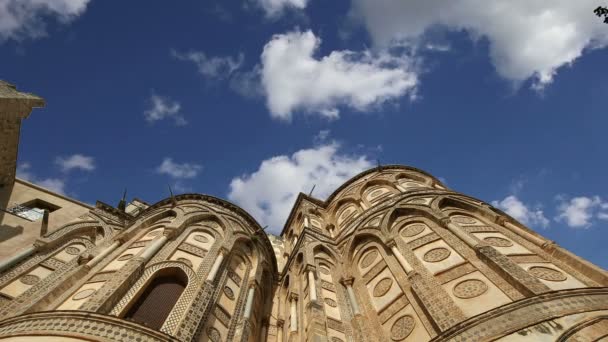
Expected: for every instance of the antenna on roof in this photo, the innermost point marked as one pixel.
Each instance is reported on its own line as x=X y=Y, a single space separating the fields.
x=264 y=228
x=122 y=204
x=173 y=200
x=311 y=190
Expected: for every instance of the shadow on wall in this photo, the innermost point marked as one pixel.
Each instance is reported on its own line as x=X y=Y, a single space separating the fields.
x=8 y=232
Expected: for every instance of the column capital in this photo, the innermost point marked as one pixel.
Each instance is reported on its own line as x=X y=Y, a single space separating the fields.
x=280 y=322
x=293 y=296
x=347 y=281
x=223 y=250
x=500 y=220
x=445 y=220
x=391 y=242
x=252 y=284
x=310 y=268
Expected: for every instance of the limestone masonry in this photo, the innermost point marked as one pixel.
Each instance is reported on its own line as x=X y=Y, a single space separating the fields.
x=391 y=255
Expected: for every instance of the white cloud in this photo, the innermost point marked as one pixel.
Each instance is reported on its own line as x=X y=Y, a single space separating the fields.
x=579 y=212
x=21 y=19
x=212 y=67
x=75 y=161
x=293 y=79
x=177 y=170
x=54 y=184
x=164 y=108
x=518 y=210
x=277 y=7
x=528 y=39
x=269 y=193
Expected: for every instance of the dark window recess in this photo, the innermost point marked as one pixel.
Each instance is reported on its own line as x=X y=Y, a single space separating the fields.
x=33 y=210
x=154 y=305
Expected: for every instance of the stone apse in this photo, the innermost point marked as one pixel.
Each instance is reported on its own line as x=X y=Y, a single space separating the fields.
x=391 y=255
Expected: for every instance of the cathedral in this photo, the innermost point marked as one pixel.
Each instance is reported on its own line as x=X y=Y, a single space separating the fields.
x=390 y=255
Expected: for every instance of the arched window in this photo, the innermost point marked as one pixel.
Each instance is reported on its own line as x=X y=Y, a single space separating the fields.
x=157 y=300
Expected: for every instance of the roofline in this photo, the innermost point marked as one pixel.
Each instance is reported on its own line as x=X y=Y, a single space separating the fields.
x=64 y=197
x=330 y=198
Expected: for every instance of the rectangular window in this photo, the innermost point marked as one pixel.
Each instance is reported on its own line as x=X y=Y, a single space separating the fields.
x=32 y=210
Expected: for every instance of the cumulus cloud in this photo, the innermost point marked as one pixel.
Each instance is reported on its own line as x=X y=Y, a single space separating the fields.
x=521 y=212
x=580 y=212
x=212 y=67
x=269 y=192
x=75 y=161
x=294 y=79
x=164 y=108
x=528 y=39
x=21 y=19
x=272 y=8
x=178 y=170
x=24 y=171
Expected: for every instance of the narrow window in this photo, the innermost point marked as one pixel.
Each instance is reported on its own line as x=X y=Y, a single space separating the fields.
x=158 y=299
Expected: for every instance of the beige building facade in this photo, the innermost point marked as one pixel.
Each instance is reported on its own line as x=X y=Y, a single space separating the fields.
x=391 y=255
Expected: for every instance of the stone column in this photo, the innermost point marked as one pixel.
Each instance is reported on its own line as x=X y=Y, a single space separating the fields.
x=15 y=259
x=312 y=286
x=216 y=265
x=249 y=302
x=458 y=231
x=348 y=283
x=400 y=258
x=103 y=254
x=264 y=330
x=293 y=299
x=280 y=324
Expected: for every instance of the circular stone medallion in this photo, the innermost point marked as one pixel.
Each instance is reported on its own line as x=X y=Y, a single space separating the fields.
x=228 y=292
x=29 y=279
x=368 y=259
x=72 y=250
x=382 y=287
x=214 y=334
x=201 y=238
x=547 y=273
x=436 y=254
x=125 y=257
x=402 y=328
x=412 y=230
x=330 y=302
x=463 y=219
x=375 y=193
x=498 y=241
x=469 y=288
x=83 y=294
x=324 y=270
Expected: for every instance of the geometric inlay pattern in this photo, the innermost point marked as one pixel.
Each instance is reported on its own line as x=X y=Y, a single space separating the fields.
x=324 y=270
x=29 y=279
x=436 y=254
x=330 y=302
x=412 y=230
x=125 y=257
x=228 y=292
x=201 y=238
x=470 y=288
x=547 y=273
x=369 y=258
x=497 y=241
x=72 y=250
x=185 y=261
x=382 y=287
x=83 y=294
x=463 y=220
x=214 y=334
x=402 y=328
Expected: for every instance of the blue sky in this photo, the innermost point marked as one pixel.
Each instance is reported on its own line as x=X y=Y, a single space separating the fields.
x=256 y=100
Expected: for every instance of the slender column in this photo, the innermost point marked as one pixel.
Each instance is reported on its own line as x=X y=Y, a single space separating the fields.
x=154 y=247
x=348 y=283
x=280 y=323
x=103 y=254
x=44 y=226
x=5 y=264
x=263 y=331
x=216 y=265
x=456 y=230
x=519 y=231
x=312 y=286
x=249 y=302
x=406 y=266
x=294 y=312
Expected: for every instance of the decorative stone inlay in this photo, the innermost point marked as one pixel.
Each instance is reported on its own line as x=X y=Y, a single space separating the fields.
x=436 y=254
x=29 y=279
x=336 y=339
x=412 y=230
x=324 y=270
x=402 y=328
x=375 y=193
x=331 y=302
x=464 y=220
x=417 y=201
x=382 y=287
x=498 y=241
x=547 y=273
x=228 y=292
x=469 y=288
x=125 y=257
x=201 y=238
x=154 y=234
x=369 y=258
x=83 y=294
x=214 y=334
x=185 y=261
x=72 y=250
